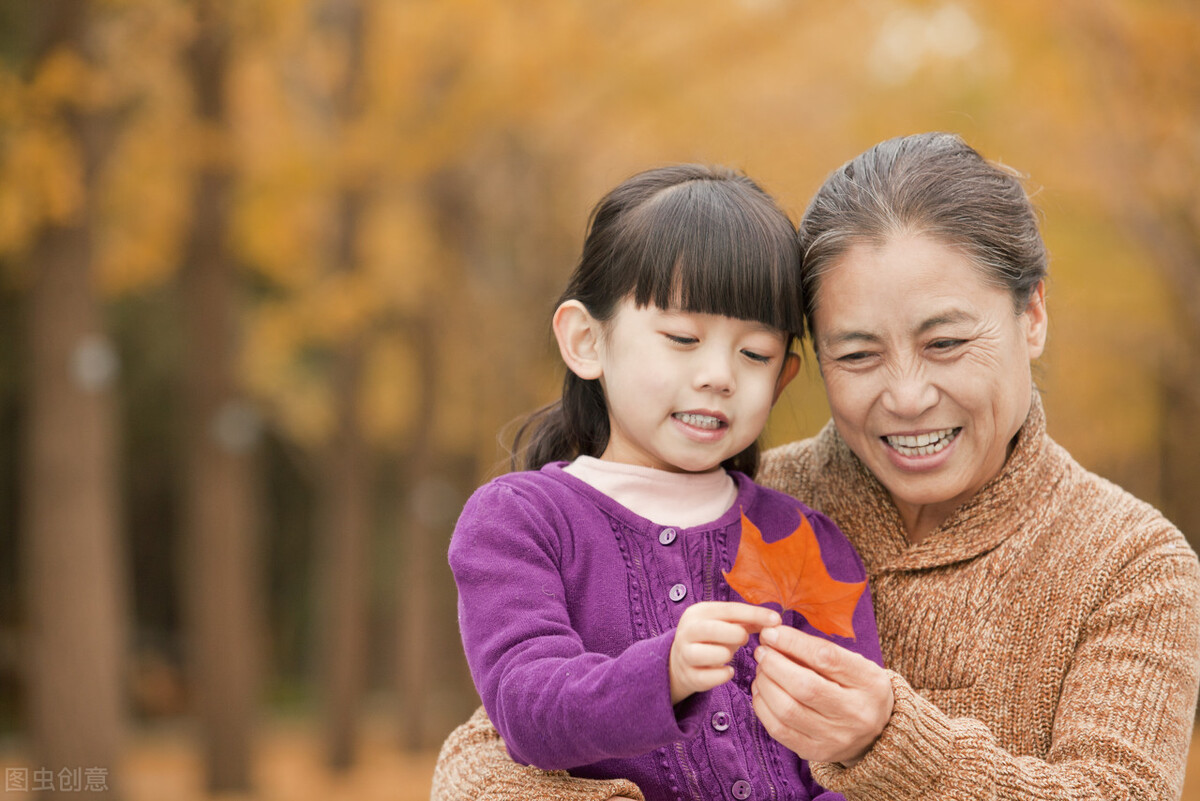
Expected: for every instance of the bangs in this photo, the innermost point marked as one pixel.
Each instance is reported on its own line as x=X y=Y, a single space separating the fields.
x=714 y=247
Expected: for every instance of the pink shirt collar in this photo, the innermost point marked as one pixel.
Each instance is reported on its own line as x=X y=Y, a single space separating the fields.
x=661 y=496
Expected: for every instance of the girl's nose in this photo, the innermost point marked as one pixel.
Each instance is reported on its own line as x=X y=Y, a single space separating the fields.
x=716 y=375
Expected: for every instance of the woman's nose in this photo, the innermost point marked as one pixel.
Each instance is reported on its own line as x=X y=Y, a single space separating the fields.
x=909 y=395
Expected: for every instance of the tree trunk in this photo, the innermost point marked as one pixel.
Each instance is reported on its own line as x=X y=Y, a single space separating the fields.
x=344 y=545
x=417 y=640
x=220 y=435
x=72 y=566
x=72 y=562
x=345 y=532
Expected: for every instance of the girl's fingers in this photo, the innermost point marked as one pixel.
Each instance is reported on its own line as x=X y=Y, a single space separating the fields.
x=717 y=631
x=753 y=618
x=703 y=655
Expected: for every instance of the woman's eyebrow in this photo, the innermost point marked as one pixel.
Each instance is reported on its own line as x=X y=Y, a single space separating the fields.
x=839 y=337
x=945 y=318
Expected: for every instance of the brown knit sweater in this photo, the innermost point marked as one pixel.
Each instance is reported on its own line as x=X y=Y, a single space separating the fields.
x=1045 y=640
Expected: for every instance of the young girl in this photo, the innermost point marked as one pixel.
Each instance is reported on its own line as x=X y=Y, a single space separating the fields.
x=600 y=631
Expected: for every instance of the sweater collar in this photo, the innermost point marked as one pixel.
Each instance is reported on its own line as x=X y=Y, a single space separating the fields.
x=869 y=517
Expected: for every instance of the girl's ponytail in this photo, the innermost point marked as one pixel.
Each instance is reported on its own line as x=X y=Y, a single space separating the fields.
x=576 y=425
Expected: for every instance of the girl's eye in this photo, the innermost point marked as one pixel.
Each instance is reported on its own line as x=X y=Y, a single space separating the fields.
x=756 y=357
x=681 y=340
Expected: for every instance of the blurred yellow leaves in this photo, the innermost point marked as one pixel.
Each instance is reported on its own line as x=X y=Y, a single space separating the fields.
x=41 y=182
x=471 y=137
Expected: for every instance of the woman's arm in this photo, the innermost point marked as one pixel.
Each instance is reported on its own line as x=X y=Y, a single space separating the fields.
x=1121 y=730
x=474 y=766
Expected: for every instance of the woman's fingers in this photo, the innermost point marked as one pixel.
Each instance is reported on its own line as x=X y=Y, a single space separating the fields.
x=821 y=701
x=796 y=727
x=822 y=656
x=805 y=686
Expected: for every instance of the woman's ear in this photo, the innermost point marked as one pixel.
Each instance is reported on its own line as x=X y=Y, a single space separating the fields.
x=791 y=366
x=1036 y=321
x=578 y=335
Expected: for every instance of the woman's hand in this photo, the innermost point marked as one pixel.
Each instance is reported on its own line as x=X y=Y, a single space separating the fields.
x=825 y=703
x=708 y=635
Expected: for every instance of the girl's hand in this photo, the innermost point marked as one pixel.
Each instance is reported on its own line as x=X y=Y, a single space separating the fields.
x=825 y=703
x=708 y=635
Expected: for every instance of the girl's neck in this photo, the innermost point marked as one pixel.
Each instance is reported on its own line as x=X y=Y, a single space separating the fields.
x=663 y=497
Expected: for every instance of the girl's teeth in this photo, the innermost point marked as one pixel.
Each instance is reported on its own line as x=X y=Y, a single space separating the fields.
x=699 y=420
x=923 y=444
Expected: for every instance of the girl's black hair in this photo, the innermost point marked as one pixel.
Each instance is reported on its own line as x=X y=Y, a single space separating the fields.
x=690 y=237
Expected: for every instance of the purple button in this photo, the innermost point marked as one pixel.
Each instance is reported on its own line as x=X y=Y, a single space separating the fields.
x=667 y=536
x=678 y=593
x=720 y=721
x=741 y=790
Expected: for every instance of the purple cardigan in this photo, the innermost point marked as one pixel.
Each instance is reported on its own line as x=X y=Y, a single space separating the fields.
x=568 y=604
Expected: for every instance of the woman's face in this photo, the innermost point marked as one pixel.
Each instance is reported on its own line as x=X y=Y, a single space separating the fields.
x=926 y=367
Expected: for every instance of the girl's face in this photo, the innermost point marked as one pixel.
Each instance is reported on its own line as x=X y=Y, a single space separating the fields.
x=926 y=367
x=686 y=391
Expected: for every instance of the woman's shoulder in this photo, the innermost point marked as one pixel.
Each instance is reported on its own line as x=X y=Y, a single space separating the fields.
x=1105 y=518
x=791 y=467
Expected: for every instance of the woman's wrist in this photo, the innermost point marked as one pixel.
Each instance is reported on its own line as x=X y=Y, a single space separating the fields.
x=910 y=752
x=884 y=720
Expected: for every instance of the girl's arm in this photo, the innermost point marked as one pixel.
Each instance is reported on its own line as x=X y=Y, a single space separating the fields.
x=1121 y=730
x=556 y=704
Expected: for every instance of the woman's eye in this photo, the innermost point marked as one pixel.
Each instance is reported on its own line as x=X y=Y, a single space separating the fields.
x=850 y=358
x=945 y=344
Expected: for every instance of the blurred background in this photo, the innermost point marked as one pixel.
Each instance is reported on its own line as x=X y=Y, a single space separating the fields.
x=276 y=278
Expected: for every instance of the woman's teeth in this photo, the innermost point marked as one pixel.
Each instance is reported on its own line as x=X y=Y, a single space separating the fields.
x=923 y=444
x=698 y=420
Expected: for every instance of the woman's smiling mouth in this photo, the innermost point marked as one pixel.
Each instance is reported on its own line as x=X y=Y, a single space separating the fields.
x=925 y=444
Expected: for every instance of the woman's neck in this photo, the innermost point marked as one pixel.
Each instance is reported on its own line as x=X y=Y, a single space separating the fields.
x=921 y=521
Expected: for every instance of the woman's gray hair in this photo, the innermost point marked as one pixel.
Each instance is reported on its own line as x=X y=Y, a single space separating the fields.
x=933 y=184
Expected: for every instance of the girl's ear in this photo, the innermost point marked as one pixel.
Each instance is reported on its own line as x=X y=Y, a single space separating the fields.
x=791 y=366
x=578 y=335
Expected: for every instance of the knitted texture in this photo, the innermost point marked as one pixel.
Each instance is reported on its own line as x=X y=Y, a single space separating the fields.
x=473 y=764
x=1044 y=641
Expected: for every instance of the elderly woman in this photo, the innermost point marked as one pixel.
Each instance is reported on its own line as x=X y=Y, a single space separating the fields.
x=1040 y=626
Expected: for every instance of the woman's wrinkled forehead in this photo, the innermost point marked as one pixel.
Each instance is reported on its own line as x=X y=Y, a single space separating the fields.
x=818 y=278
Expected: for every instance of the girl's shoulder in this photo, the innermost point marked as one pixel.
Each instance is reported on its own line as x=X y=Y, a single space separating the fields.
x=777 y=514
x=768 y=499
x=549 y=485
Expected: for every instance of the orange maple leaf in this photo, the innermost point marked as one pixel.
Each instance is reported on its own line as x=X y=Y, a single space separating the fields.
x=791 y=573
